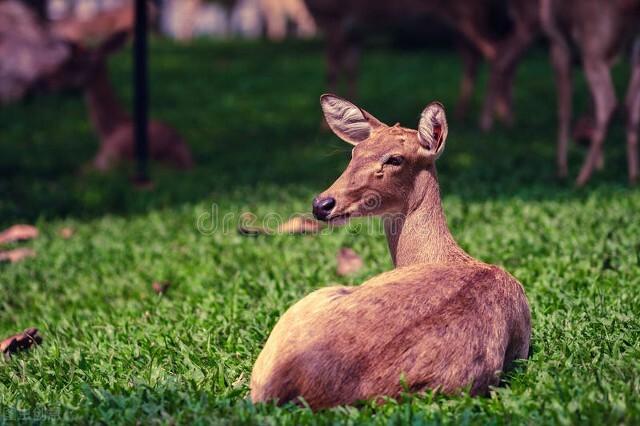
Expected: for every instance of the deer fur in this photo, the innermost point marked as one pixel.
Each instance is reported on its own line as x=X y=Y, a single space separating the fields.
x=440 y=320
x=600 y=30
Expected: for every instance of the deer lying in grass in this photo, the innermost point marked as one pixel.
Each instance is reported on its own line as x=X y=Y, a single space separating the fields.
x=440 y=320
x=600 y=30
x=110 y=120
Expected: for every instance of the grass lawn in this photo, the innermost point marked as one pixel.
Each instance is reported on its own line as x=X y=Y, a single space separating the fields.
x=115 y=352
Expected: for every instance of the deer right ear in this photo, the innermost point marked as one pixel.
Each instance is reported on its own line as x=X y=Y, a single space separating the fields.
x=350 y=123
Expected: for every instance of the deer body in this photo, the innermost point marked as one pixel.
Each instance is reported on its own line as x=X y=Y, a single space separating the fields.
x=440 y=320
x=600 y=30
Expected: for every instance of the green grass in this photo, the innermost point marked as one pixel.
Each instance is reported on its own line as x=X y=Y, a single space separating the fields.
x=114 y=352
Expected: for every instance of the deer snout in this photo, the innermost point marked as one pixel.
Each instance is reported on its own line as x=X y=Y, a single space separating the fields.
x=322 y=207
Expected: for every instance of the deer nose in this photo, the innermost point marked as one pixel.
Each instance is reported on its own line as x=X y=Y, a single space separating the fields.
x=322 y=207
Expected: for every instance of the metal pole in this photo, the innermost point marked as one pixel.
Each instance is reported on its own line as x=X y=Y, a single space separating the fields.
x=141 y=97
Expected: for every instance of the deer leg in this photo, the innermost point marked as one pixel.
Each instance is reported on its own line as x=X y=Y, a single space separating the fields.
x=470 y=61
x=351 y=68
x=104 y=159
x=334 y=59
x=275 y=18
x=604 y=98
x=633 y=115
x=502 y=75
x=561 y=61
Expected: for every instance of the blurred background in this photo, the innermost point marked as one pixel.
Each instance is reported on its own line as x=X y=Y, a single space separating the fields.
x=233 y=90
x=152 y=311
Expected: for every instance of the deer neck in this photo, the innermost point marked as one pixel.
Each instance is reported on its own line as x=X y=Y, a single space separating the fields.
x=105 y=110
x=420 y=233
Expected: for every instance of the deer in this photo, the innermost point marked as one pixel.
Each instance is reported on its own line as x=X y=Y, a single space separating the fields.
x=340 y=22
x=440 y=320
x=599 y=30
x=28 y=51
x=471 y=24
x=114 y=125
x=88 y=69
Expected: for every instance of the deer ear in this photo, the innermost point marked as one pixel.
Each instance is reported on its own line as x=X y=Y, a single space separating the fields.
x=432 y=130
x=350 y=123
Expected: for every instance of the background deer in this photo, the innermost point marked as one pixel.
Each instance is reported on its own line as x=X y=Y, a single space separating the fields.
x=600 y=30
x=440 y=320
x=111 y=122
x=471 y=22
x=28 y=51
x=87 y=68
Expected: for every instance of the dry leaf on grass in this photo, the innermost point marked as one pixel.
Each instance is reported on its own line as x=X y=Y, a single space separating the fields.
x=66 y=232
x=348 y=262
x=18 y=233
x=161 y=287
x=16 y=255
x=300 y=225
x=20 y=341
x=295 y=225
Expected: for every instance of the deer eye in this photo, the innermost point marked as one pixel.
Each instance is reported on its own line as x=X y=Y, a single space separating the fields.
x=394 y=160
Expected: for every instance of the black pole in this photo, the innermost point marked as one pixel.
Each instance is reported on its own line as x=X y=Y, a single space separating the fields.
x=141 y=97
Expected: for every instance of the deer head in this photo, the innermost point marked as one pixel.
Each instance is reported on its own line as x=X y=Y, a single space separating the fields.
x=385 y=160
x=85 y=62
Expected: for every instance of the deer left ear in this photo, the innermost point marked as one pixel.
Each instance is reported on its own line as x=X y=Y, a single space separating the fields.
x=432 y=130
x=349 y=122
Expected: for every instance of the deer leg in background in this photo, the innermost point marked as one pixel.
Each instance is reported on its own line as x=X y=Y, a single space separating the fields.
x=470 y=61
x=299 y=14
x=633 y=114
x=335 y=58
x=561 y=61
x=351 y=63
x=501 y=79
x=275 y=18
x=604 y=99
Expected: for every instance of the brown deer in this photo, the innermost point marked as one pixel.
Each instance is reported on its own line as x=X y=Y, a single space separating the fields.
x=342 y=21
x=440 y=320
x=110 y=120
x=600 y=30
x=470 y=20
x=28 y=51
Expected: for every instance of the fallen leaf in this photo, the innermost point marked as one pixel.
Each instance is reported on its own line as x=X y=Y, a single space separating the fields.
x=66 y=232
x=300 y=225
x=21 y=341
x=161 y=287
x=18 y=233
x=348 y=262
x=16 y=255
x=295 y=225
